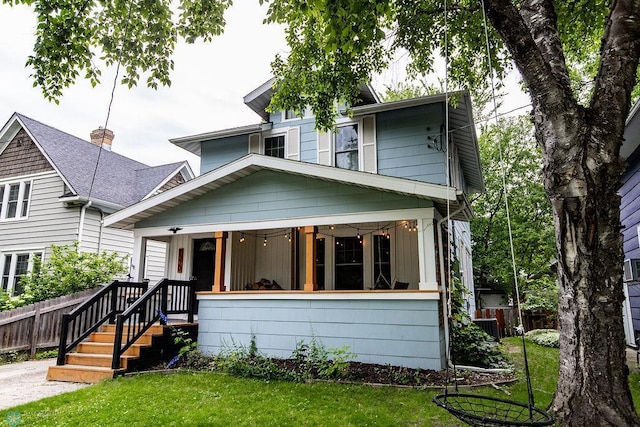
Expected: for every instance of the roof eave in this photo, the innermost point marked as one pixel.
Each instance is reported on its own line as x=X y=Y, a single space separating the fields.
x=122 y=219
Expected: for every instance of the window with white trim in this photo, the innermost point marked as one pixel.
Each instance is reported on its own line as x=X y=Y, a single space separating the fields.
x=274 y=146
x=346 y=147
x=14 y=200
x=14 y=266
x=290 y=115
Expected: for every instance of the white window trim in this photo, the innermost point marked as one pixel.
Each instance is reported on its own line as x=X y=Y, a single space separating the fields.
x=274 y=133
x=14 y=260
x=346 y=122
x=283 y=116
x=5 y=202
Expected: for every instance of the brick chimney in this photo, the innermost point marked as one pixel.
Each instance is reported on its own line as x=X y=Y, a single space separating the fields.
x=96 y=138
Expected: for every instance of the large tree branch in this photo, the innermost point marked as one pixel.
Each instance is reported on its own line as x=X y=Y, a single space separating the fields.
x=616 y=76
x=543 y=26
x=533 y=59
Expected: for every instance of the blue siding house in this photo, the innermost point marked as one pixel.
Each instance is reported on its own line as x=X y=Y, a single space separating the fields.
x=630 y=218
x=344 y=236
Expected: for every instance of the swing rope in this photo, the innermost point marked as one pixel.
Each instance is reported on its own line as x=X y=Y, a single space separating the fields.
x=479 y=410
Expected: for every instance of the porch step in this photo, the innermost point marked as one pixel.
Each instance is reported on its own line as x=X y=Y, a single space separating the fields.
x=108 y=337
x=107 y=348
x=81 y=373
x=99 y=360
x=91 y=362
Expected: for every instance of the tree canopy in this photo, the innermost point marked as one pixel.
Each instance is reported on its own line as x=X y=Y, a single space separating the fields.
x=509 y=146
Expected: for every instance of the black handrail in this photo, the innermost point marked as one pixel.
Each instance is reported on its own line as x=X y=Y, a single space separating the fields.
x=91 y=314
x=150 y=308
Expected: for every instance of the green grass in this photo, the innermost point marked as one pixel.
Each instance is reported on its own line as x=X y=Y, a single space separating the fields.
x=212 y=399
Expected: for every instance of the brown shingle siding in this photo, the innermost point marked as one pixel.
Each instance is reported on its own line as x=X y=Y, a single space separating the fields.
x=22 y=157
x=176 y=180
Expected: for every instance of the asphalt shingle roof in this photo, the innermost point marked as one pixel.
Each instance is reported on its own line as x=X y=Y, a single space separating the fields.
x=118 y=179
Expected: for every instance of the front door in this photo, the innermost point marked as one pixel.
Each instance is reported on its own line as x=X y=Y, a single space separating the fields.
x=204 y=261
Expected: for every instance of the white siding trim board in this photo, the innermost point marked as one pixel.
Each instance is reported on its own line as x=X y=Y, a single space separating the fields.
x=373 y=295
x=381 y=216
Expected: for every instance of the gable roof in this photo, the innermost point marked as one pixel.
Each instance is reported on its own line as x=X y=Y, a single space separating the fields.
x=260 y=98
x=117 y=180
x=441 y=195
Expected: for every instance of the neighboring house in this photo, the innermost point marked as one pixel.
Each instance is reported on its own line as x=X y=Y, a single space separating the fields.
x=351 y=224
x=57 y=188
x=630 y=217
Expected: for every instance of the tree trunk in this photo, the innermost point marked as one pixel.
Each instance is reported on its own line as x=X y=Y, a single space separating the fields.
x=582 y=179
x=582 y=168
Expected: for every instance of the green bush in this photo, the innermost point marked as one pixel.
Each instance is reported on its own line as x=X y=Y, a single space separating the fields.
x=470 y=345
x=66 y=271
x=544 y=337
x=541 y=295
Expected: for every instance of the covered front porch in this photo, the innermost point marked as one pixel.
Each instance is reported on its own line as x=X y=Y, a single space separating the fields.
x=284 y=251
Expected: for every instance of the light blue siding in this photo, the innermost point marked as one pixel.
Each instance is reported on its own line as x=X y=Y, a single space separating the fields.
x=402 y=143
x=308 y=138
x=268 y=195
x=402 y=333
x=222 y=151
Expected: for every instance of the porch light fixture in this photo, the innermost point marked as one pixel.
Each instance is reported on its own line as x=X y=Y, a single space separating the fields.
x=358 y=236
x=242 y=238
x=265 y=240
x=332 y=227
x=174 y=230
x=207 y=246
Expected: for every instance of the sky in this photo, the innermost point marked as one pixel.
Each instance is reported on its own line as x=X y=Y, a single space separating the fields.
x=208 y=84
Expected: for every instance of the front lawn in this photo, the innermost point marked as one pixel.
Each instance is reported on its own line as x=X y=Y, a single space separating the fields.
x=212 y=399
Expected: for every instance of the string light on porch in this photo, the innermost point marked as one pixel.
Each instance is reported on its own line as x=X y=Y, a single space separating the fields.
x=265 y=240
x=242 y=238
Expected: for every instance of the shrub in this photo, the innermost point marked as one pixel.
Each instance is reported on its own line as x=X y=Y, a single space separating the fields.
x=67 y=270
x=544 y=337
x=541 y=295
x=470 y=345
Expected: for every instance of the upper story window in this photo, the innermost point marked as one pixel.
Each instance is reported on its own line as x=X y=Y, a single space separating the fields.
x=346 y=147
x=274 y=146
x=14 y=200
x=290 y=115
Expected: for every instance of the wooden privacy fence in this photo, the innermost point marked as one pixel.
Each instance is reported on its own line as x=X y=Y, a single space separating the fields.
x=37 y=325
x=506 y=318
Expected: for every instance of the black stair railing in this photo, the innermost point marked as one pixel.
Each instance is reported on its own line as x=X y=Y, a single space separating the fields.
x=150 y=308
x=102 y=307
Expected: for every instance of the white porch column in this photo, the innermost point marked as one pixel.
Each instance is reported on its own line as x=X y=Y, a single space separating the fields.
x=138 y=258
x=427 y=253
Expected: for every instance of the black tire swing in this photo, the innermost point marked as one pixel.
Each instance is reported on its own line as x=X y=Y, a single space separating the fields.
x=472 y=409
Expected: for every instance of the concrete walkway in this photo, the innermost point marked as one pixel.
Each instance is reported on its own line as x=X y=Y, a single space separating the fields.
x=27 y=382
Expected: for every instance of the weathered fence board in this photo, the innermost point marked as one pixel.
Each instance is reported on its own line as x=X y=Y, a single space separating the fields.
x=37 y=325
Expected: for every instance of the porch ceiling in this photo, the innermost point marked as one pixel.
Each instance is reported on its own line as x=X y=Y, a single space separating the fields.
x=442 y=196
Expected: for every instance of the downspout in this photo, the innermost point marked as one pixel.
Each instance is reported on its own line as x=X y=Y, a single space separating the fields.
x=100 y=232
x=443 y=288
x=81 y=226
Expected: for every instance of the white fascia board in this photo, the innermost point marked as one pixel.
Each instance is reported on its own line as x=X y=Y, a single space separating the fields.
x=170 y=176
x=385 y=295
x=323 y=220
x=363 y=179
x=404 y=103
x=259 y=90
x=108 y=206
x=217 y=134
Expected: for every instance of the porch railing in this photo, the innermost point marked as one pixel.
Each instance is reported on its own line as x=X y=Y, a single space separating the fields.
x=150 y=308
x=102 y=307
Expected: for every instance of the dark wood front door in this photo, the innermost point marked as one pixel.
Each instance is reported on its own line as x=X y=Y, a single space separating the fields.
x=204 y=261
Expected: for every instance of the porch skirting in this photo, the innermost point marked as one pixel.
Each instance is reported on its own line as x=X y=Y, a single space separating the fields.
x=397 y=328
